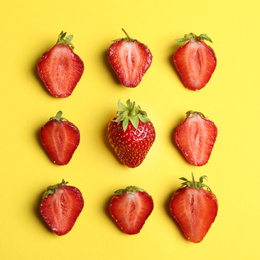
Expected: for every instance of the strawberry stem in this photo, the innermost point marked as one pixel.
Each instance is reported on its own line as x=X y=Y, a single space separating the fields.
x=58 y=117
x=129 y=189
x=192 y=113
x=53 y=188
x=194 y=38
x=195 y=184
x=63 y=40
x=131 y=113
x=128 y=37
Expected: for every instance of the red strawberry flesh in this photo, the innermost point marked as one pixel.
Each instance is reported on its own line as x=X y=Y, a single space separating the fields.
x=60 y=140
x=60 y=69
x=130 y=60
x=195 y=211
x=195 y=62
x=195 y=138
x=130 y=210
x=61 y=209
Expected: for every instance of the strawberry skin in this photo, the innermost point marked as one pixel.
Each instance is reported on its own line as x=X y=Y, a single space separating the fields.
x=131 y=134
x=130 y=208
x=60 y=207
x=130 y=59
x=60 y=68
x=195 y=61
x=195 y=138
x=194 y=208
x=60 y=139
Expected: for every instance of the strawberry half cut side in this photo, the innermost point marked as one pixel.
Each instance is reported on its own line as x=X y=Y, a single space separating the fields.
x=60 y=139
x=130 y=60
x=60 y=207
x=130 y=208
x=195 y=208
x=195 y=61
x=195 y=138
x=60 y=68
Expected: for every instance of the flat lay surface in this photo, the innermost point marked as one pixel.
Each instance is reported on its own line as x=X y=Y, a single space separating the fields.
x=230 y=99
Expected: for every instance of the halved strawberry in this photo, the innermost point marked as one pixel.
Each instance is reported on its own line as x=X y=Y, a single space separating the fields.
x=195 y=61
x=60 y=139
x=130 y=208
x=194 y=208
x=60 y=68
x=195 y=138
x=130 y=59
x=131 y=134
x=61 y=206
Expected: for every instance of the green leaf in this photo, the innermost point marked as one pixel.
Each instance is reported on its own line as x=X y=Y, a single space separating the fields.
x=194 y=37
x=120 y=105
x=134 y=121
x=125 y=123
x=143 y=119
x=205 y=37
x=129 y=104
x=69 y=38
x=131 y=189
x=181 y=40
x=187 y=37
x=119 y=119
x=131 y=112
x=120 y=191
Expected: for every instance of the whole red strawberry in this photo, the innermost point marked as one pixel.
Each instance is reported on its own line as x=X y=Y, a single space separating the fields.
x=195 y=61
x=194 y=208
x=60 y=68
x=130 y=59
x=131 y=134
x=60 y=207
x=195 y=137
x=60 y=139
x=130 y=208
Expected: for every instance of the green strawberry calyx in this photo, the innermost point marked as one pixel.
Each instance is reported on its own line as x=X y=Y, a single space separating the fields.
x=195 y=184
x=129 y=189
x=53 y=188
x=63 y=40
x=194 y=38
x=131 y=113
x=192 y=113
x=127 y=39
x=58 y=117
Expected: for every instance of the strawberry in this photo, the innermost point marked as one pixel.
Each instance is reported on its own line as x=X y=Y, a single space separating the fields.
x=130 y=59
x=195 y=61
x=195 y=137
x=60 y=207
x=60 y=68
x=60 y=139
x=194 y=208
x=131 y=134
x=130 y=208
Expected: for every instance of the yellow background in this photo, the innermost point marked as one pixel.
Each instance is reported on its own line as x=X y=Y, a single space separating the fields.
x=230 y=99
